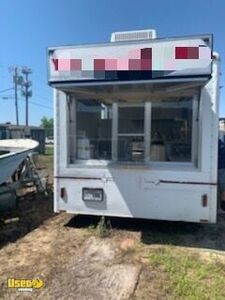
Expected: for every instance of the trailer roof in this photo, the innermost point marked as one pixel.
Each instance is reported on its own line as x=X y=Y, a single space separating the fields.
x=207 y=37
x=179 y=57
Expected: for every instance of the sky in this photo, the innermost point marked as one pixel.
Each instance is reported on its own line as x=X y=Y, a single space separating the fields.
x=28 y=27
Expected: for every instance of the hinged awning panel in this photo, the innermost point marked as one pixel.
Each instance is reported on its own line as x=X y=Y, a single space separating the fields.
x=135 y=92
x=152 y=59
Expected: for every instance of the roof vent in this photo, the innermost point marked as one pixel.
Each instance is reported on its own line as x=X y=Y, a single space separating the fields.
x=136 y=35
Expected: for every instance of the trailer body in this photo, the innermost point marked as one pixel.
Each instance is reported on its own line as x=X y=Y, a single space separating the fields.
x=136 y=128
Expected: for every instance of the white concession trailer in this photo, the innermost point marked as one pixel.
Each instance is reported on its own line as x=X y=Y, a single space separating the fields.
x=136 y=127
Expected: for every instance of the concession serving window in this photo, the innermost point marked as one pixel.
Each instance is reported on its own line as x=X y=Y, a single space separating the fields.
x=134 y=123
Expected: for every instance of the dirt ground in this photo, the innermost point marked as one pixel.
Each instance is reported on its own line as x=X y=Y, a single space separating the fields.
x=75 y=262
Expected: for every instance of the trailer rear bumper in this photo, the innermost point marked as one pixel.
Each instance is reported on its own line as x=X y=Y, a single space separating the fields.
x=138 y=198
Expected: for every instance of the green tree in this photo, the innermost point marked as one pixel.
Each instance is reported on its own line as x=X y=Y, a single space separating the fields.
x=47 y=124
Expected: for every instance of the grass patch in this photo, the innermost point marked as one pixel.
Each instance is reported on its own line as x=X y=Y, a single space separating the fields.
x=189 y=277
x=163 y=238
x=103 y=228
x=48 y=162
x=49 y=150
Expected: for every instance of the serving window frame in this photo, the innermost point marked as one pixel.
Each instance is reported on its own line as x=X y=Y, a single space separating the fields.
x=195 y=147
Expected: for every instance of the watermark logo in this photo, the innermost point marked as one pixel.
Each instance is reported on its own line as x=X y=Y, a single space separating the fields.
x=25 y=285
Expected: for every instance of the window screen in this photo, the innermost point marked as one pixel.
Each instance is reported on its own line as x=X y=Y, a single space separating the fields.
x=131 y=119
x=93 y=130
x=166 y=132
x=171 y=131
x=131 y=133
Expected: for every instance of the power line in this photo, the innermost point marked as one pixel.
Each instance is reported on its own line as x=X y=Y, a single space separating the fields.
x=9 y=89
x=7 y=97
x=38 y=104
x=31 y=102
x=41 y=105
x=44 y=98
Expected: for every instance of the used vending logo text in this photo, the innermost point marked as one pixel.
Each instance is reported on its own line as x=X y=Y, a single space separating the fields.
x=25 y=284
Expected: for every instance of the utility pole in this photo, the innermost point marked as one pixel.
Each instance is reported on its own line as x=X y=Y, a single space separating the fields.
x=26 y=92
x=17 y=80
x=16 y=97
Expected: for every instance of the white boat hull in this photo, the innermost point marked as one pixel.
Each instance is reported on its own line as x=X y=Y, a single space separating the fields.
x=18 y=151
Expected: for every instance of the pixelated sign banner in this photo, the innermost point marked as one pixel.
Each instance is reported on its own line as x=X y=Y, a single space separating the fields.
x=131 y=61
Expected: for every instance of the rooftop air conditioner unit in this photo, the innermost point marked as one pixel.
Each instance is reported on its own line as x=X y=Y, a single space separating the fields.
x=134 y=35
